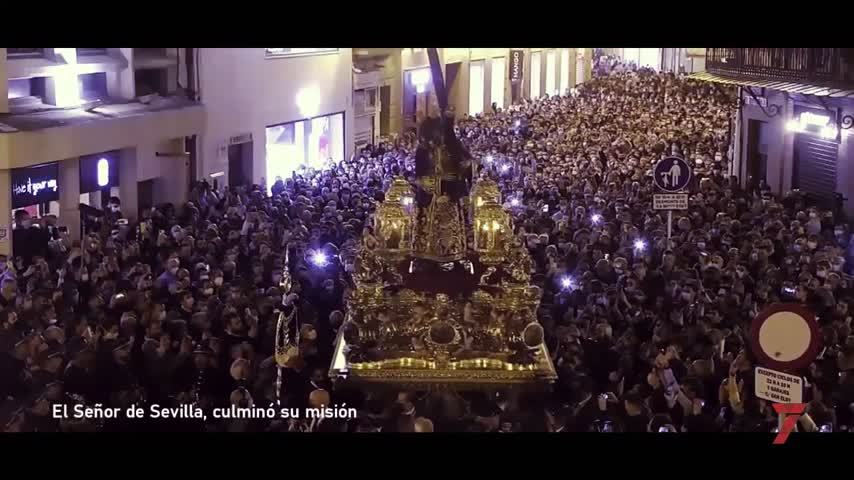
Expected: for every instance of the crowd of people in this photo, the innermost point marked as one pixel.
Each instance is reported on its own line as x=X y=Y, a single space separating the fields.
x=647 y=334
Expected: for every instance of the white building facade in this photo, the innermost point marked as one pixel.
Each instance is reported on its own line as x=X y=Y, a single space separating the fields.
x=475 y=78
x=79 y=125
x=273 y=111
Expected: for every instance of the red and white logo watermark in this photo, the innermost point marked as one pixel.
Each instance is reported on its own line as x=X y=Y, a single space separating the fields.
x=792 y=412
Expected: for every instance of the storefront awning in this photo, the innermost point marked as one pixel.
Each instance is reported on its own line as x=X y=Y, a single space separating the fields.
x=789 y=87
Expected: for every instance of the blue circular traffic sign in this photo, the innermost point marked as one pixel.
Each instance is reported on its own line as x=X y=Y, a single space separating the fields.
x=672 y=174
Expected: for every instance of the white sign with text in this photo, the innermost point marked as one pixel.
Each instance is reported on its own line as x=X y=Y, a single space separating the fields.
x=670 y=201
x=778 y=387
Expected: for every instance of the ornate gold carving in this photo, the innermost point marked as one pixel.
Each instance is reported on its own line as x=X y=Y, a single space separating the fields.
x=461 y=335
x=483 y=192
x=399 y=190
x=441 y=232
x=492 y=231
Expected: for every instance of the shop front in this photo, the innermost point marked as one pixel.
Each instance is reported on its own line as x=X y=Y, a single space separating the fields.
x=498 y=73
x=816 y=150
x=34 y=190
x=477 y=81
x=643 y=57
x=99 y=181
x=99 y=178
x=309 y=143
x=535 y=90
x=551 y=73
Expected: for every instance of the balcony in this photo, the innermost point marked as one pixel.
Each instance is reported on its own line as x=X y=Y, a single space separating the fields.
x=374 y=52
x=821 y=66
x=31 y=136
x=24 y=52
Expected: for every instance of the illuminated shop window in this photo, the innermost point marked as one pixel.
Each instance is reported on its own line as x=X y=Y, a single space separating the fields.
x=312 y=143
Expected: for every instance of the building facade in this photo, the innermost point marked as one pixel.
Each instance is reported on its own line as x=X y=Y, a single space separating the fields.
x=272 y=111
x=793 y=128
x=78 y=125
x=476 y=78
x=683 y=60
x=677 y=60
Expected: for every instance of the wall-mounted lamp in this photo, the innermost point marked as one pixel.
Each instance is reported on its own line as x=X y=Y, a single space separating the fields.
x=420 y=78
x=103 y=172
x=308 y=101
x=826 y=129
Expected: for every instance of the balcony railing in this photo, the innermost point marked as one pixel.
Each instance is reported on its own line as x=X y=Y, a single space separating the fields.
x=91 y=51
x=24 y=52
x=814 y=65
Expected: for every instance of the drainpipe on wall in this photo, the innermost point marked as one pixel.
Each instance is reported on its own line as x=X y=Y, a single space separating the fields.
x=740 y=132
x=190 y=60
x=190 y=145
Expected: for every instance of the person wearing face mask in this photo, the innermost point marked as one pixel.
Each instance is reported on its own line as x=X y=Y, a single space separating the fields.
x=185 y=308
x=8 y=292
x=113 y=211
x=812 y=243
x=813 y=225
x=591 y=132
x=28 y=239
x=169 y=278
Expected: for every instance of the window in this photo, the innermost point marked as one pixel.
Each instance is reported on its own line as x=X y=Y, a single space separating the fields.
x=93 y=86
x=26 y=87
x=551 y=73
x=304 y=143
x=536 y=68
x=290 y=52
x=564 y=70
x=24 y=52
x=631 y=55
x=371 y=98
x=151 y=81
x=499 y=65
x=580 y=64
x=359 y=102
x=476 y=78
x=649 y=58
x=364 y=101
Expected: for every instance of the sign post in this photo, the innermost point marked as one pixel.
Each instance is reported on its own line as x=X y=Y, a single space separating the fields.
x=671 y=175
x=669 y=226
x=784 y=338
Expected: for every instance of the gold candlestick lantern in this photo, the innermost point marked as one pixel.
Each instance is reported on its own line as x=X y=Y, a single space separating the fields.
x=395 y=218
x=492 y=231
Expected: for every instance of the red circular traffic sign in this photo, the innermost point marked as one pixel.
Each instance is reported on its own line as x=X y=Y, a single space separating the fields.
x=785 y=336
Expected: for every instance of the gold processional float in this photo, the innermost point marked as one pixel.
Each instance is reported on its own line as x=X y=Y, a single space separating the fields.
x=441 y=301
x=442 y=297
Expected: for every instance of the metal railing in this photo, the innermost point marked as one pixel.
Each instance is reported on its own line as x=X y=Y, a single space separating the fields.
x=24 y=52
x=91 y=51
x=824 y=65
